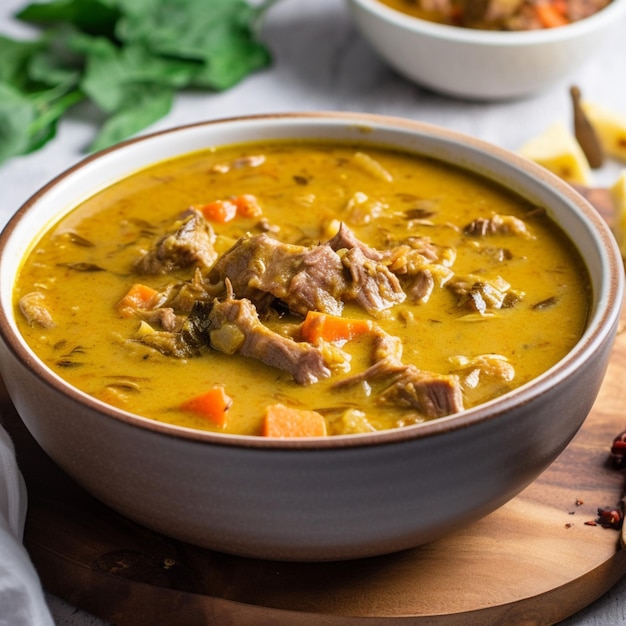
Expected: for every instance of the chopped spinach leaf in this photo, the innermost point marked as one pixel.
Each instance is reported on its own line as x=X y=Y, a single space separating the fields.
x=128 y=57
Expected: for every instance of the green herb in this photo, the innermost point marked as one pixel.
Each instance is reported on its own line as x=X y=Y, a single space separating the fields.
x=128 y=57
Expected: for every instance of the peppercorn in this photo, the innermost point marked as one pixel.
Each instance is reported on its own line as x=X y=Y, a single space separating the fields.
x=610 y=517
x=618 y=451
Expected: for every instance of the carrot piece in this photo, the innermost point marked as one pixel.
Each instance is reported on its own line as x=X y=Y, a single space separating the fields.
x=284 y=421
x=321 y=326
x=212 y=404
x=138 y=297
x=549 y=15
x=219 y=211
x=247 y=205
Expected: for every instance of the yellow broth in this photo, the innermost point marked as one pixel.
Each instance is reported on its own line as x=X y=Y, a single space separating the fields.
x=83 y=266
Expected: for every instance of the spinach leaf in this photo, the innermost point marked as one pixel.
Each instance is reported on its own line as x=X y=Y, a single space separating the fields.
x=48 y=112
x=15 y=57
x=110 y=70
x=29 y=120
x=128 y=57
x=16 y=115
x=141 y=106
x=220 y=34
x=96 y=17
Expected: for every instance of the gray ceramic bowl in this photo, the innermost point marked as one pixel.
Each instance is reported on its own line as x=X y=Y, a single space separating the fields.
x=480 y=64
x=316 y=499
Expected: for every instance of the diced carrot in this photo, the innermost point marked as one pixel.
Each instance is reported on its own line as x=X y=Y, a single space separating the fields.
x=247 y=205
x=332 y=328
x=549 y=15
x=221 y=211
x=138 y=297
x=212 y=404
x=284 y=421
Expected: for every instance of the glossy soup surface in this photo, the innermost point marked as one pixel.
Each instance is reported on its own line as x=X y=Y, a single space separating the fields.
x=490 y=294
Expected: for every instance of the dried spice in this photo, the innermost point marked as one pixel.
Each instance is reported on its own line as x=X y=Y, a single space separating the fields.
x=585 y=132
x=610 y=517
x=613 y=516
x=618 y=451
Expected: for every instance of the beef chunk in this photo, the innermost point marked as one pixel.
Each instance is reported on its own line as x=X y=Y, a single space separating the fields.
x=190 y=244
x=262 y=269
x=431 y=395
x=345 y=238
x=420 y=266
x=372 y=285
x=232 y=326
x=161 y=316
x=481 y=295
x=235 y=328
x=497 y=225
x=316 y=278
x=421 y=286
x=33 y=308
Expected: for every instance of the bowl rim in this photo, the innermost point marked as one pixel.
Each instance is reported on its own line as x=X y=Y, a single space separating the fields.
x=597 y=328
x=615 y=10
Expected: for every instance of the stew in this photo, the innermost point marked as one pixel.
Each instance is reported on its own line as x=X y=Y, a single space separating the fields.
x=302 y=289
x=502 y=15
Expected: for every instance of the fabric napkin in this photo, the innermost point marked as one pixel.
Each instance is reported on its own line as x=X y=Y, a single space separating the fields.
x=22 y=601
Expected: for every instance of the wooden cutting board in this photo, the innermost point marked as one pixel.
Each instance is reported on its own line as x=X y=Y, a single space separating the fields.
x=534 y=561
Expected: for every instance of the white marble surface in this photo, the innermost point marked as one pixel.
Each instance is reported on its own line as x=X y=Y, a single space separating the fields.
x=322 y=63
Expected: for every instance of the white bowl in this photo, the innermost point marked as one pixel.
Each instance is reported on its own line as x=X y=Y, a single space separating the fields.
x=320 y=498
x=481 y=64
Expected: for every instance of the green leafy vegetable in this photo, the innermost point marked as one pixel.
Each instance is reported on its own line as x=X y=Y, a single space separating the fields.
x=128 y=57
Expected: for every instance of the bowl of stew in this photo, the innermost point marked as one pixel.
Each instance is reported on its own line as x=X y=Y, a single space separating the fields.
x=307 y=336
x=492 y=50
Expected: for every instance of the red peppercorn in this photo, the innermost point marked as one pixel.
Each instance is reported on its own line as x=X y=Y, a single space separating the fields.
x=610 y=517
x=618 y=450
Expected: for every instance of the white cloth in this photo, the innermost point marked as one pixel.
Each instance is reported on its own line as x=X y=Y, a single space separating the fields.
x=22 y=601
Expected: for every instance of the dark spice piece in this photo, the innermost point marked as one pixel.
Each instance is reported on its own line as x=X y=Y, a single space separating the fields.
x=585 y=133
x=544 y=304
x=609 y=517
x=83 y=267
x=618 y=451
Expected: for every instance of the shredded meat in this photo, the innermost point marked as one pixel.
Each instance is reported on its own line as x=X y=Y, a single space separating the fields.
x=190 y=244
x=261 y=269
x=493 y=366
x=346 y=239
x=33 y=308
x=236 y=328
x=478 y=294
x=161 y=316
x=420 y=266
x=422 y=286
x=432 y=395
x=232 y=326
x=497 y=224
x=182 y=296
x=372 y=285
x=317 y=278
